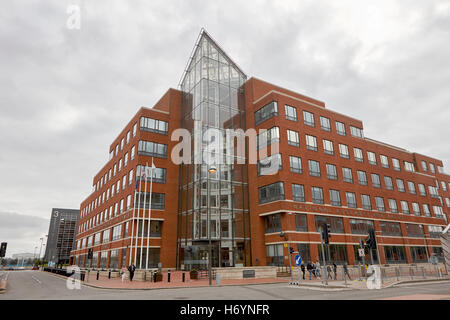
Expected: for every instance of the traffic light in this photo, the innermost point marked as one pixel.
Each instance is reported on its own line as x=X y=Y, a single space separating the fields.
x=326 y=230
x=291 y=250
x=3 y=249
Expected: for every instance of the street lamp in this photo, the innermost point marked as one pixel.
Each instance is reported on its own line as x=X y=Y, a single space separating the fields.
x=211 y=170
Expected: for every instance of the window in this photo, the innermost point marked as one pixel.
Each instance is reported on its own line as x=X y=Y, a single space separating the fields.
x=117 y=230
x=121 y=206
x=360 y=226
x=444 y=186
x=396 y=164
x=336 y=223
x=314 y=168
x=328 y=147
x=274 y=255
x=317 y=195
x=158 y=200
x=335 y=198
x=356 y=132
x=405 y=207
x=347 y=174
x=125 y=159
x=114 y=171
x=366 y=202
x=128 y=201
x=447 y=201
x=388 y=183
x=340 y=128
x=272 y=223
x=325 y=124
x=351 y=199
x=311 y=143
x=438 y=212
x=411 y=187
x=124 y=182
x=416 y=208
x=134 y=129
x=424 y=166
x=291 y=113
x=308 y=118
x=390 y=229
x=400 y=185
x=372 y=158
x=120 y=165
x=128 y=137
x=106 y=236
x=358 y=154
x=133 y=149
x=153 y=149
x=432 y=168
x=409 y=166
x=117 y=150
x=393 y=205
x=293 y=139
x=268 y=111
x=268 y=137
x=153 y=125
x=414 y=230
x=298 y=192
x=380 y=204
x=121 y=143
x=422 y=190
x=362 y=178
x=343 y=151
x=295 y=164
x=433 y=192
x=270 y=165
x=331 y=172
x=97 y=239
x=272 y=192
x=376 y=180
x=159 y=174
x=426 y=210
x=435 y=231
x=384 y=161
x=440 y=169
x=301 y=223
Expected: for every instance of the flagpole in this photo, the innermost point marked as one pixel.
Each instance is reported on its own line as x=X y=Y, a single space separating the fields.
x=132 y=220
x=143 y=214
x=137 y=220
x=149 y=213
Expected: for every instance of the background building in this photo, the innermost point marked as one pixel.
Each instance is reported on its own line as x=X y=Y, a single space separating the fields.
x=325 y=171
x=61 y=235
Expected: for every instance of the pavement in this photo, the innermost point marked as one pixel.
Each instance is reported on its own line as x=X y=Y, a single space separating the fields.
x=25 y=285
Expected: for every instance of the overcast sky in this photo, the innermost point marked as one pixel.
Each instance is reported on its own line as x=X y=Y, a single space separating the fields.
x=65 y=94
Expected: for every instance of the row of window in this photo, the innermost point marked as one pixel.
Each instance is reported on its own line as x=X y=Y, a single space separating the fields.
x=357 y=226
x=115 y=233
x=272 y=135
x=271 y=110
x=275 y=191
x=273 y=163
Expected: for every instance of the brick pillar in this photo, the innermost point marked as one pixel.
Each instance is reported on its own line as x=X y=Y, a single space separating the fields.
x=313 y=247
x=405 y=241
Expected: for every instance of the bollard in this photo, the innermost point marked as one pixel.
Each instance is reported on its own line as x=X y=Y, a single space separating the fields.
x=397 y=273
x=168 y=276
x=345 y=278
x=109 y=274
x=411 y=273
x=423 y=272
x=183 y=277
x=154 y=276
x=145 y=275
x=218 y=279
x=98 y=274
x=359 y=268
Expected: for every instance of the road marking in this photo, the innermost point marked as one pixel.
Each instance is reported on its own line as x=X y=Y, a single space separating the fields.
x=39 y=281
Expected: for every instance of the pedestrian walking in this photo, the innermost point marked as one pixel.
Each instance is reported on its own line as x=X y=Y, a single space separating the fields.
x=329 y=272
x=335 y=270
x=317 y=269
x=309 y=267
x=124 y=274
x=346 y=271
x=302 y=266
x=131 y=269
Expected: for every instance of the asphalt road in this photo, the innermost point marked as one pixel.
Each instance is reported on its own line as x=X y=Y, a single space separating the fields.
x=41 y=285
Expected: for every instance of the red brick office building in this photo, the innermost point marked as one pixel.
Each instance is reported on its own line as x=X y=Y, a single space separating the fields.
x=326 y=171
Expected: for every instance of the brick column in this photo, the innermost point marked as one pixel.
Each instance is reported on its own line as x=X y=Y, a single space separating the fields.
x=405 y=241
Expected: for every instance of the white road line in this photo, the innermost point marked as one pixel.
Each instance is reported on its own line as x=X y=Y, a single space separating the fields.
x=39 y=281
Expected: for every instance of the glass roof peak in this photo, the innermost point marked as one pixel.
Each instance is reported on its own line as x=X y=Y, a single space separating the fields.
x=205 y=45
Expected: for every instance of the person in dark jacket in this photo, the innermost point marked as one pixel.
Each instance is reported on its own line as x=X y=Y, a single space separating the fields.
x=302 y=266
x=309 y=267
x=346 y=271
x=335 y=270
x=131 y=269
x=329 y=272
